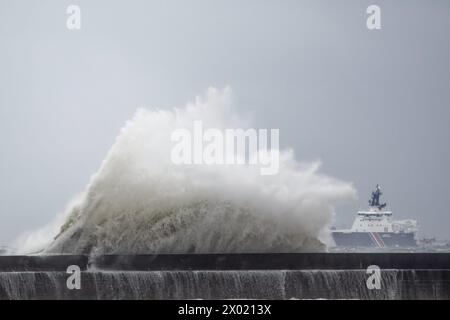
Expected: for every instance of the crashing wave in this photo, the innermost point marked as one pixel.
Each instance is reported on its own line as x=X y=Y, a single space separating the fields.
x=141 y=202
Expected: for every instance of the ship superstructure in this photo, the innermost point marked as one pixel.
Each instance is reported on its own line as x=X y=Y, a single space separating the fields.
x=375 y=228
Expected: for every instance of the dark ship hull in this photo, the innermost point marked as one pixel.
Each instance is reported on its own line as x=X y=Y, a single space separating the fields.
x=374 y=239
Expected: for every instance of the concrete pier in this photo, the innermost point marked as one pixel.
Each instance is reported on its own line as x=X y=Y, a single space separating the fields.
x=228 y=276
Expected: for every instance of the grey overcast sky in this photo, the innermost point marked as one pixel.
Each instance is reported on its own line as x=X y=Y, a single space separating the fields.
x=372 y=105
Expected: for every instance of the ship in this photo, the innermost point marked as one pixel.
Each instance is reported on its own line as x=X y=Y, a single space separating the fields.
x=376 y=228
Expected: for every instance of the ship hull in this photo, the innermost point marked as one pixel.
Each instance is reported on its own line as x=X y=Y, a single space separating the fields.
x=374 y=239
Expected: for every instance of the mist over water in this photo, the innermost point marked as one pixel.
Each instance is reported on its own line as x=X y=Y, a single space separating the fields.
x=139 y=201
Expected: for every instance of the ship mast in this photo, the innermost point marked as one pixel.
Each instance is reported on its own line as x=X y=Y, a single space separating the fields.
x=375 y=199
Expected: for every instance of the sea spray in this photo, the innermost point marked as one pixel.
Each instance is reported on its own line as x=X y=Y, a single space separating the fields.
x=139 y=201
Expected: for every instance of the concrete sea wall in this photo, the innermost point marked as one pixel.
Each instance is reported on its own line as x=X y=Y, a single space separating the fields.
x=228 y=276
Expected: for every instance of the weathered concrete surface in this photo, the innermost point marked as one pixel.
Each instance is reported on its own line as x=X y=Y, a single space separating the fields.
x=272 y=261
x=228 y=276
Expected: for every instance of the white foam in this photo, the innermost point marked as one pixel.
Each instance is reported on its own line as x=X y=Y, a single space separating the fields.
x=140 y=202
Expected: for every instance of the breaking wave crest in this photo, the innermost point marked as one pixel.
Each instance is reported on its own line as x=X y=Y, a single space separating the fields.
x=140 y=202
